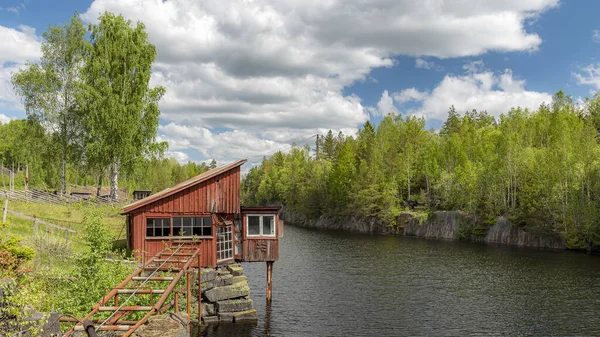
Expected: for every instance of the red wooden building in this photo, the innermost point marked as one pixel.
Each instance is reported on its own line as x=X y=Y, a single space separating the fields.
x=205 y=209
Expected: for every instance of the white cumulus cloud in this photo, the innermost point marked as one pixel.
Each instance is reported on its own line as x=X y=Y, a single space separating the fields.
x=4 y=119
x=589 y=75
x=481 y=90
x=247 y=75
x=424 y=64
x=18 y=47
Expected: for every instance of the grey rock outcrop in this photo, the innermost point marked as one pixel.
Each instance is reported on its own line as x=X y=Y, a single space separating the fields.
x=447 y=225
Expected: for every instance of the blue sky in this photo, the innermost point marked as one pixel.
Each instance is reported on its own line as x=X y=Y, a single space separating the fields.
x=245 y=79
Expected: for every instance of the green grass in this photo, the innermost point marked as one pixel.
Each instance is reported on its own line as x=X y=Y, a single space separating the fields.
x=65 y=216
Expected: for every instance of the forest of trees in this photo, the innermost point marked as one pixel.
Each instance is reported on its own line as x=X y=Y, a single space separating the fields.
x=24 y=142
x=541 y=169
x=91 y=113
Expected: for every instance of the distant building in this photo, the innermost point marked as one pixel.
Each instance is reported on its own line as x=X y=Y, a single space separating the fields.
x=141 y=194
x=82 y=195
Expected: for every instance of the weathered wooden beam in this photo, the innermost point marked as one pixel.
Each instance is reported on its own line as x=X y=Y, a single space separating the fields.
x=269 y=281
x=41 y=221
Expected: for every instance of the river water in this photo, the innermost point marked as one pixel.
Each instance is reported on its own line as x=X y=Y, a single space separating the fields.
x=330 y=283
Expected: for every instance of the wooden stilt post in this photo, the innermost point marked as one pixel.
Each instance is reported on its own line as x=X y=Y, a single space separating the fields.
x=269 y=281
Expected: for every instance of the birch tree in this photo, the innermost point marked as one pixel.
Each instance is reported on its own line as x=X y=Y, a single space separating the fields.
x=121 y=109
x=48 y=89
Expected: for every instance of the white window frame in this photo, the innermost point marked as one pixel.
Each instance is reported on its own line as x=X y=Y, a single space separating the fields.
x=274 y=235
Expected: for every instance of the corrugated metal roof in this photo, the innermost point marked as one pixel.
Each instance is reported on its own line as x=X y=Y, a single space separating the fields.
x=182 y=186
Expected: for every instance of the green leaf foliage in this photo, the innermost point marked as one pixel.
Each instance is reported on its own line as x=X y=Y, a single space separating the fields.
x=541 y=169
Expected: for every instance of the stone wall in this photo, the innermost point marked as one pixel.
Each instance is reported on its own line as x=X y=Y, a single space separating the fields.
x=226 y=295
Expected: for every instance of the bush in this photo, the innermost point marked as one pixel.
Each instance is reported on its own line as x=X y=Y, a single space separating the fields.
x=8 y=262
x=12 y=244
x=47 y=245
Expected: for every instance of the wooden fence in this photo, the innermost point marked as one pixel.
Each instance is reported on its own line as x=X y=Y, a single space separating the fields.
x=37 y=222
x=57 y=199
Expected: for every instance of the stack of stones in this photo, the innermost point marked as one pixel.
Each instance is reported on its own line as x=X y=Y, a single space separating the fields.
x=226 y=295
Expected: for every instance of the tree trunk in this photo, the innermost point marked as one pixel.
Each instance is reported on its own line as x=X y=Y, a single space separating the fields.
x=63 y=175
x=114 y=180
x=99 y=190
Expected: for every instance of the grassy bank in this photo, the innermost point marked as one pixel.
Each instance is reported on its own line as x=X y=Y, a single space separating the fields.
x=70 y=217
x=52 y=275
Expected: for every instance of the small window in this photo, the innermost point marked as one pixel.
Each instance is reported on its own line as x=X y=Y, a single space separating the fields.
x=261 y=225
x=189 y=226
x=158 y=227
x=253 y=225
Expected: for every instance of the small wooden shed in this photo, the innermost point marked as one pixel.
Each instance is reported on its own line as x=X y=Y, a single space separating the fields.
x=206 y=210
x=141 y=194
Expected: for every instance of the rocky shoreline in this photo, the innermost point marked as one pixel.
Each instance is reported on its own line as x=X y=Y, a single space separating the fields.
x=447 y=225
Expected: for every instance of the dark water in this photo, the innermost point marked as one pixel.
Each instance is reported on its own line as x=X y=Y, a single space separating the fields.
x=340 y=284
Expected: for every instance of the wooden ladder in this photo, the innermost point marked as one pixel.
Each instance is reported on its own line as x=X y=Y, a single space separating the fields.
x=176 y=260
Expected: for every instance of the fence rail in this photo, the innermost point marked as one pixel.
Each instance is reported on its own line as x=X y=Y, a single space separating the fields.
x=51 y=198
x=37 y=222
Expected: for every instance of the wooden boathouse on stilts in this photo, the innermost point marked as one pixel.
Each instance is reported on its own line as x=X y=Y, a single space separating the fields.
x=198 y=223
x=206 y=210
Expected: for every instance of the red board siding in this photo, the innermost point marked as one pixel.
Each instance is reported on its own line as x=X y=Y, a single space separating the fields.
x=195 y=200
x=198 y=199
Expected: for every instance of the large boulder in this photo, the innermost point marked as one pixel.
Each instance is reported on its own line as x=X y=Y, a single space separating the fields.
x=236 y=290
x=241 y=278
x=208 y=309
x=223 y=280
x=235 y=269
x=241 y=316
x=241 y=304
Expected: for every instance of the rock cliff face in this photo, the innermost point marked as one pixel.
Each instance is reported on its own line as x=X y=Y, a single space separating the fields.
x=448 y=225
x=346 y=223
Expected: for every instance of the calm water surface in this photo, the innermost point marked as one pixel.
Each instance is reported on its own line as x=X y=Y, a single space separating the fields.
x=340 y=284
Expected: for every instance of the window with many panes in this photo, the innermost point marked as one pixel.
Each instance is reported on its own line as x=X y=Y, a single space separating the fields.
x=189 y=226
x=158 y=227
x=260 y=225
x=224 y=243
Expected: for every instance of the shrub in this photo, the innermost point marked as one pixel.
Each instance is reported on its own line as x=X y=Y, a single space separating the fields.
x=8 y=262
x=47 y=245
x=12 y=244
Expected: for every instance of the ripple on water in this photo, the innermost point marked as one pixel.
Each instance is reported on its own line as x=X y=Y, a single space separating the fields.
x=341 y=284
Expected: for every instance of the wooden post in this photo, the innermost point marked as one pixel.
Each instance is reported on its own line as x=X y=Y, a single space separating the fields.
x=199 y=294
x=5 y=210
x=269 y=281
x=67 y=236
x=176 y=301
x=35 y=226
x=189 y=299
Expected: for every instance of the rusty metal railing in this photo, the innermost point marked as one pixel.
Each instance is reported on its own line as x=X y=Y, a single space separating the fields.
x=176 y=261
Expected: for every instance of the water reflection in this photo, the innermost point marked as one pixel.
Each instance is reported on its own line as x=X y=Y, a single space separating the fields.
x=340 y=284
